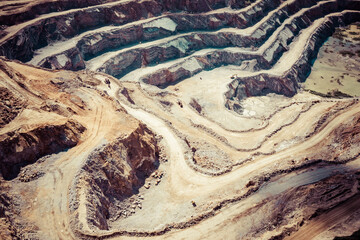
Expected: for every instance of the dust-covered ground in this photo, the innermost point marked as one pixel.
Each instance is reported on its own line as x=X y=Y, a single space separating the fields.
x=337 y=67
x=179 y=119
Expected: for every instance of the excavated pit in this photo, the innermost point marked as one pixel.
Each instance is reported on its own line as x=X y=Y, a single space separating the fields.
x=174 y=119
x=68 y=25
x=288 y=82
x=92 y=47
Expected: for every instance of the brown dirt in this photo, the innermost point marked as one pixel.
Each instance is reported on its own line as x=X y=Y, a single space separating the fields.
x=234 y=152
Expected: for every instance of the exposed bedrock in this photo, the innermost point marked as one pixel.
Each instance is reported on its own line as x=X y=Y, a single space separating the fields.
x=35 y=9
x=185 y=45
x=96 y=43
x=10 y=106
x=70 y=59
x=212 y=59
x=93 y=44
x=67 y=25
x=287 y=83
x=302 y=204
x=113 y=173
x=20 y=148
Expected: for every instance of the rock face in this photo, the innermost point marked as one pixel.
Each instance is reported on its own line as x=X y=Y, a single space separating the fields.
x=18 y=149
x=44 y=31
x=30 y=10
x=70 y=59
x=23 y=143
x=91 y=45
x=85 y=147
x=307 y=202
x=265 y=59
x=10 y=106
x=114 y=172
x=96 y=43
x=287 y=84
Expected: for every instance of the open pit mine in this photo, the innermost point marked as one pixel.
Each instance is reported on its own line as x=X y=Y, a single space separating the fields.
x=179 y=119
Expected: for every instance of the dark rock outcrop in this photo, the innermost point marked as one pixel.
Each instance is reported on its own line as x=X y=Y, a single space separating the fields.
x=10 y=106
x=42 y=7
x=94 y=44
x=114 y=172
x=270 y=56
x=70 y=59
x=67 y=25
x=18 y=149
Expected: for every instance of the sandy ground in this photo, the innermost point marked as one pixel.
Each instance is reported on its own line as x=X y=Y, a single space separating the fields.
x=336 y=67
x=272 y=134
x=182 y=184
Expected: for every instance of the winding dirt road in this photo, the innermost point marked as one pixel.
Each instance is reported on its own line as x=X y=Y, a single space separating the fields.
x=56 y=184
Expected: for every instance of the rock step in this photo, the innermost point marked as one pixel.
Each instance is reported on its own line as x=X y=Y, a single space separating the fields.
x=38 y=34
x=286 y=82
x=34 y=144
x=99 y=42
x=171 y=48
x=111 y=178
x=176 y=47
x=263 y=59
x=87 y=46
x=34 y=8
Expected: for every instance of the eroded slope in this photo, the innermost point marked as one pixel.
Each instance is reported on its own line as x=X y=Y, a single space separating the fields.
x=65 y=118
x=240 y=150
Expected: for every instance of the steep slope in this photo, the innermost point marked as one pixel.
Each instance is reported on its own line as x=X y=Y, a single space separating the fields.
x=174 y=120
x=60 y=121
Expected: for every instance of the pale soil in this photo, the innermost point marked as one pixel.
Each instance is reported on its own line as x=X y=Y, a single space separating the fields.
x=333 y=70
x=254 y=147
x=182 y=184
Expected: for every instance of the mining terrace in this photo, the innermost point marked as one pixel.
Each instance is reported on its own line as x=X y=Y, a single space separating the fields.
x=180 y=119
